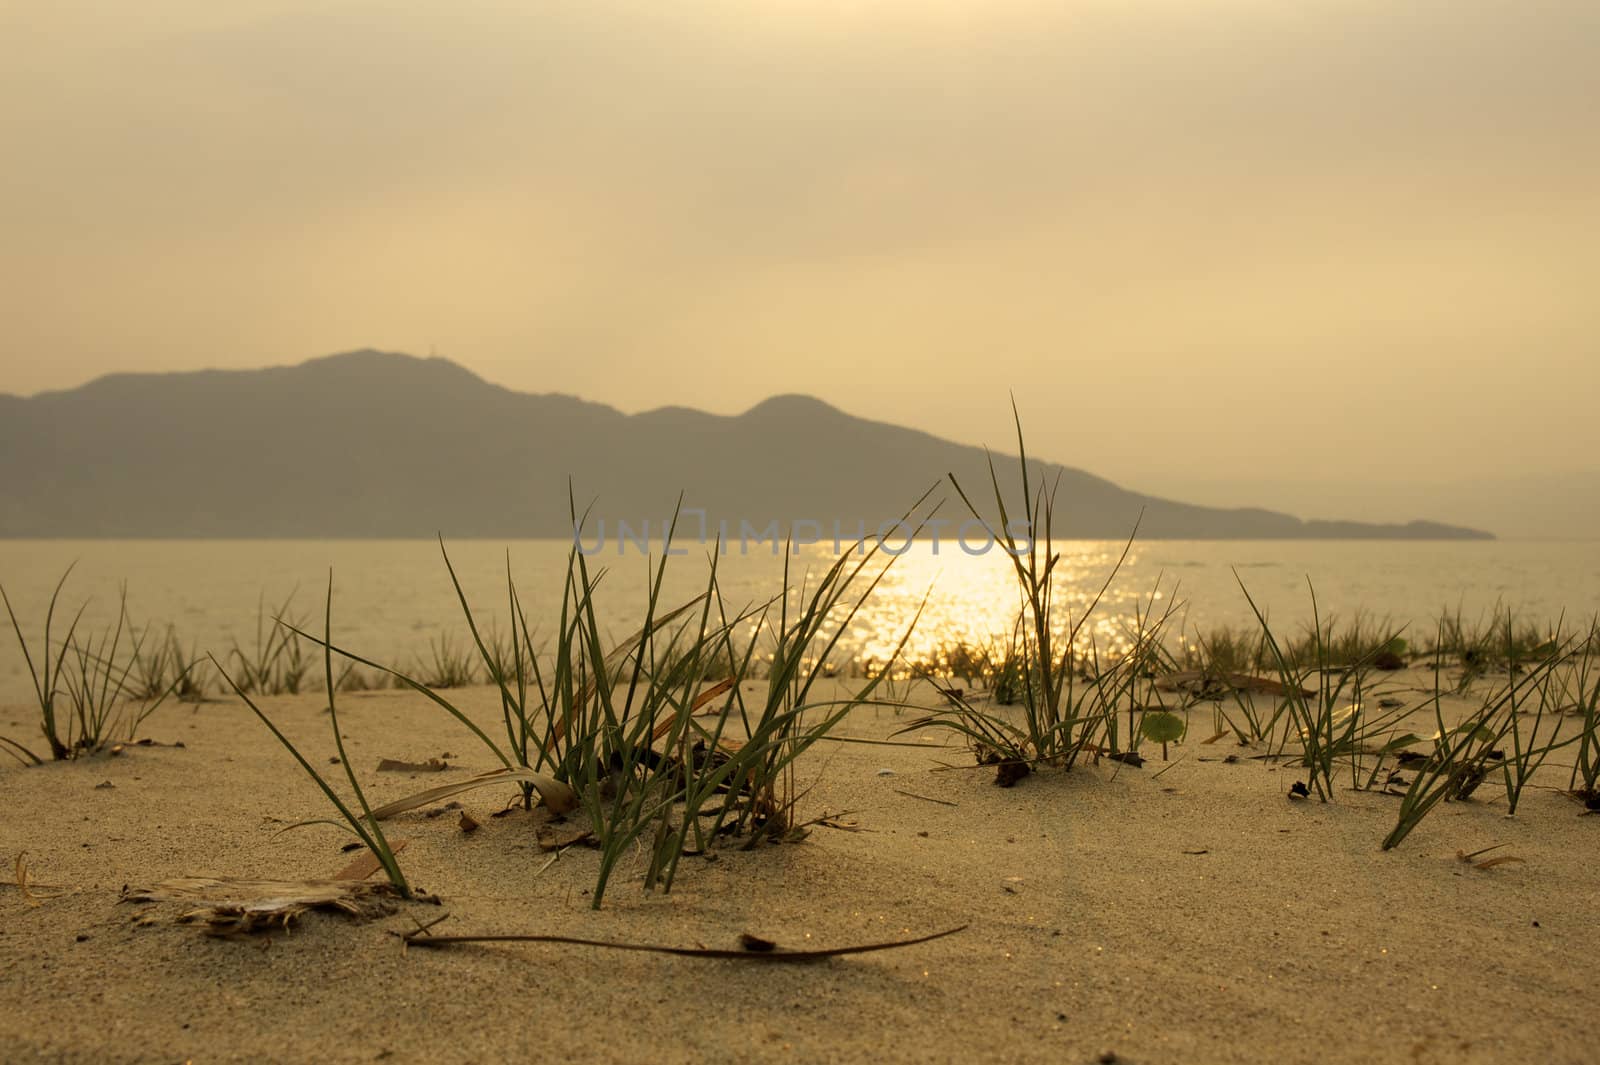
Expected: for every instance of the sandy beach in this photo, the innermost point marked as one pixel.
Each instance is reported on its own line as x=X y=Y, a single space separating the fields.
x=1195 y=914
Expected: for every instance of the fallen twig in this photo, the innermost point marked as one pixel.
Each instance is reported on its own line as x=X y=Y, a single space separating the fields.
x=422 y=937
x=924 y=798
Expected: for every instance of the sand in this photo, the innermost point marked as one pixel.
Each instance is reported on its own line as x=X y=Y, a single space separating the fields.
x=1198 y=915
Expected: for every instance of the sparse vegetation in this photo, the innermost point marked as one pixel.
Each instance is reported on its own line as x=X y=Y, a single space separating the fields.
x=1323 y=684
x=1579 y=695
x=84 y=687
x=666 y=745
x=365 y=826
x=450 y=665
x=1070 y=696
x=46 y=676
x=163 y=665
x=647 y=733
x=275 y=664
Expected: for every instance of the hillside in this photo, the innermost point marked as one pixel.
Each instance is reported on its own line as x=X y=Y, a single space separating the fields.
x=372 y=444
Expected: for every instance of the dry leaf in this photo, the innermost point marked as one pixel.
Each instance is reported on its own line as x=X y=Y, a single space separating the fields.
x=557 y=797
x=699 y=701
x=709 y=694
x=469 y=824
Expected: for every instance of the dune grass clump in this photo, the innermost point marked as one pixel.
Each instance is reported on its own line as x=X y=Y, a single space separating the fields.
x=1504 y=736
x=164 y=665
x=1326 y=692
x=974 y=665
x=1223 y=649
x=652 y=745
x=275 y=664
x=45 y=675
x=1068 y=693
x=1328 y=705
x=84 y=684
x=1580 y=697
x=451 y=665
x=1364 y=643
x=1487 y=644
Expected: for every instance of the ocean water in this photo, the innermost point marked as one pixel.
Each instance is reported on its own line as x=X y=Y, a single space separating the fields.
x=392 y=597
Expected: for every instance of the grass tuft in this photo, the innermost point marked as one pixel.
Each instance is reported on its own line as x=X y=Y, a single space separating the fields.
x=365 y=826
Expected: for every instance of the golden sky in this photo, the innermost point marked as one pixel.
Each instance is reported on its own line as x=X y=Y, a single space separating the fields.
x=1211 y=245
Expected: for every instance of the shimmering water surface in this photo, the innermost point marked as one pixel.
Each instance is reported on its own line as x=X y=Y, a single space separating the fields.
x=393 y=597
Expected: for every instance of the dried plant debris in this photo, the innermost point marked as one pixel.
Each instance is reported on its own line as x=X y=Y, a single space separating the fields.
x=1473 y=859
x=924 y=798
x=1395 y=784
x=555 y=834
x=30 y=891
x=1589 y=798
x=751 y=948
x=1008 y=770
x=227 y=907
x=557 y=797
x=1206 y=684
x=399 y=765
x=839 y=821
x=701 y=701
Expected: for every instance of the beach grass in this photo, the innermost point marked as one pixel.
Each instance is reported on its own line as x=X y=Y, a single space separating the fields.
x=365 y=825
x=1068 y=694
x=85 y=685
x=45 y=675
x=450 y=665
x=274 y=663
x=1324 y=687
x=656 y=736
x=1580 y=697
x=684 y=737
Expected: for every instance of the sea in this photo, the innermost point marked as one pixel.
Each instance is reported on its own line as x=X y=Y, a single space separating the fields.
x=394 y=600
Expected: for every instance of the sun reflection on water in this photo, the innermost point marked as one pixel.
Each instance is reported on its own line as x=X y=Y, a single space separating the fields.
x=393 y=598
x=972 y=603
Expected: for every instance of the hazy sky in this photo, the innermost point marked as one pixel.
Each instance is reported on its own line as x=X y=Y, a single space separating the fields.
x=1212 y=245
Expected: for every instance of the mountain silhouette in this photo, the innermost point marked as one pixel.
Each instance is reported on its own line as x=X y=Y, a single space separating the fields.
x=375 y=444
